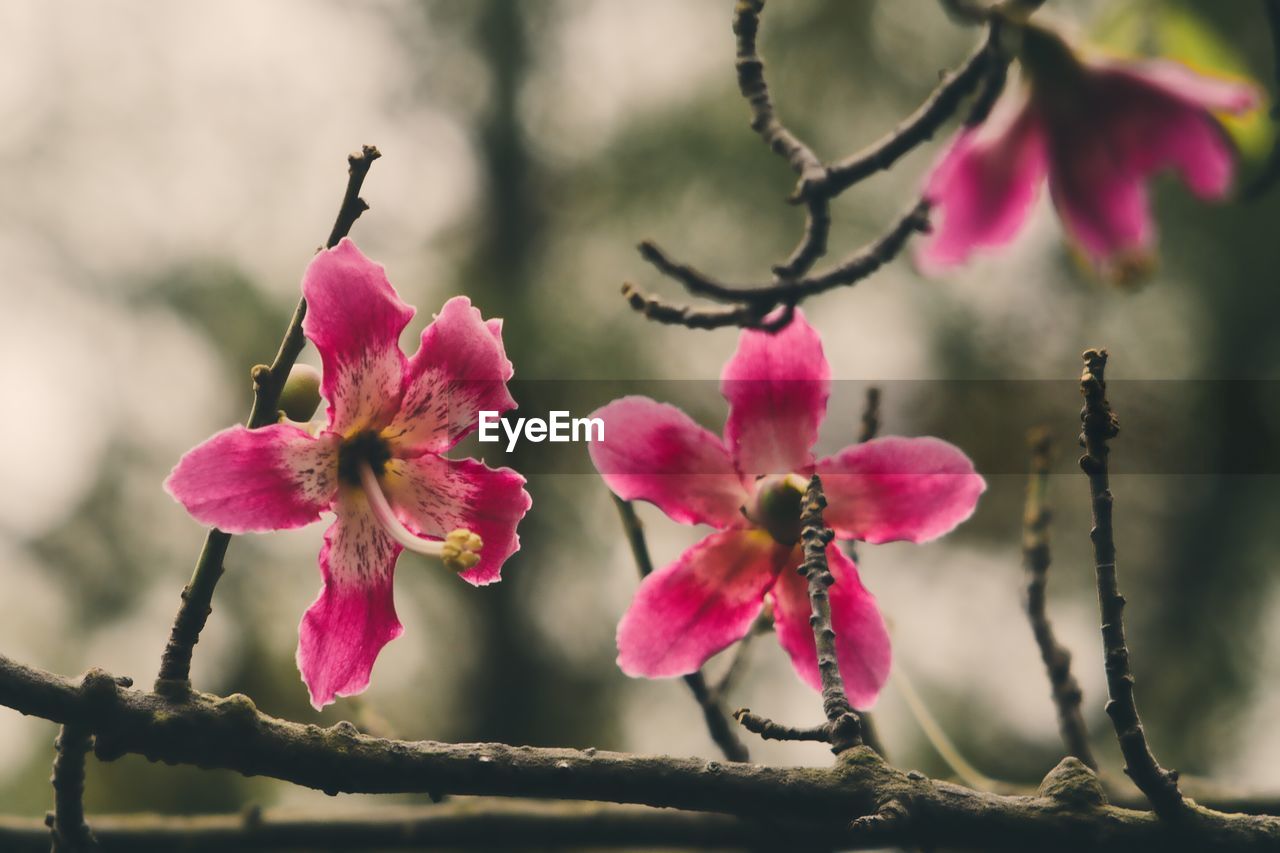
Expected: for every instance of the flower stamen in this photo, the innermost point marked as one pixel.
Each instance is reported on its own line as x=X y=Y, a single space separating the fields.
x=460 y=549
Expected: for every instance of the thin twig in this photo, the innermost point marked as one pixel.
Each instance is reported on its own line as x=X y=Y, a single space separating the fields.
x=769 y=730
x=713 y=711
x=70 y=831
x=1100 y=426
x=1036 y=557
x=843 y=727
x=870 y=415
x=751 y=82
x=917 y=128
x=815 y=535
x=749 y=304
x=268 y=382
x=752 y=303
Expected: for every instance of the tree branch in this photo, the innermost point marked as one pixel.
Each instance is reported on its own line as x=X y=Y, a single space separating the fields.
x=713 y=710
x=463 y=824
x=1099 y=426
x=230 y=733
x=268 y=382
x=1036 y=558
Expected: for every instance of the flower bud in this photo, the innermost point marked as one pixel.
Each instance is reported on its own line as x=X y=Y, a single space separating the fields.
x=301 y=394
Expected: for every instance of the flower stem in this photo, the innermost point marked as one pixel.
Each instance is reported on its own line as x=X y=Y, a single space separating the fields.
x=197 y=596
x=938 y=738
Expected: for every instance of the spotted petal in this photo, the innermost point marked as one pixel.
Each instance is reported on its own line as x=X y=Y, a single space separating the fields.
x=346 y=627
x=434 y=496
x=459 y=370
x=355 y=318
x=243 y=480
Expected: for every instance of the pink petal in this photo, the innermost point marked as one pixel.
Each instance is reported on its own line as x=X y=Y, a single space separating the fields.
x=459 y=370
x=698 y=605
x=242 y=480
x=777 y=387
x=354 y=318
x=1143 y=118
x=893 y=488
x=1211 y=93
x=1102 y=204
x=984 y=185
x=1159 y=118
x=354 y=616
x=862 y=641
x=655 y=452
x=434 y=496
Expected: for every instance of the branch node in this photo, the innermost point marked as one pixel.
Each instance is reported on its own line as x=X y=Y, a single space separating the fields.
x=890 y=817
x=1073 y=783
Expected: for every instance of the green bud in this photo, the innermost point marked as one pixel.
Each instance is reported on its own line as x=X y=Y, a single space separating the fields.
x=301 y=395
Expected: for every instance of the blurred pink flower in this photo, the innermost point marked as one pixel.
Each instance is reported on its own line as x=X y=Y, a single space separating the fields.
x=749 y=486
x=376 y=464
x=1098 y=129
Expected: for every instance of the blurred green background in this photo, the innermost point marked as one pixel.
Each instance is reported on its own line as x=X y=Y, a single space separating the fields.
x=169 y=169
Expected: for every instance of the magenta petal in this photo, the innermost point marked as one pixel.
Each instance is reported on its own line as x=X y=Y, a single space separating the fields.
x=243 y=480
x=1176 y=79
x=1103 y=206
x=354 y=616
x=862 y=641
x=893 y=488
x=459 y=370
x=1144 y=117
x=434 y=496
x=655 y=452
x=354 y=318
x=984 y=185
x=777 y=387
x=1157 y=116
x=698 y=605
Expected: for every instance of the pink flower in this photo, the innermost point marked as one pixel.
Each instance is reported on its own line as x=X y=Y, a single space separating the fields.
x=1098 y=129
x=377 y=464
x=749 y=486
